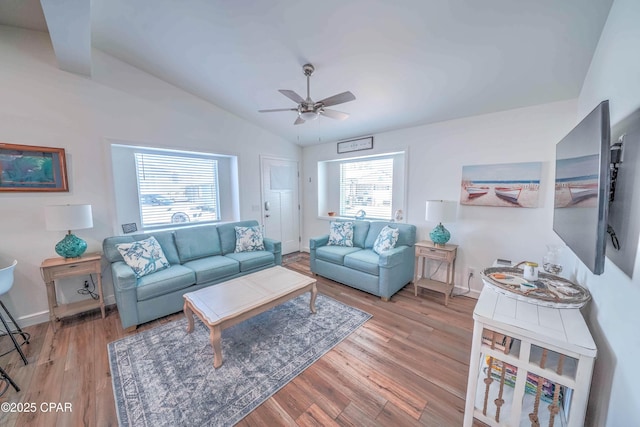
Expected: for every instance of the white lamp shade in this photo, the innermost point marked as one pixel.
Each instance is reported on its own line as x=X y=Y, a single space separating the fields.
x=68 y=217
x=440 y=211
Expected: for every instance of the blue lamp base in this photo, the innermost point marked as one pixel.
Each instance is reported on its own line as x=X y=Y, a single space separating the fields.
x=440 y=235
x=71 y=246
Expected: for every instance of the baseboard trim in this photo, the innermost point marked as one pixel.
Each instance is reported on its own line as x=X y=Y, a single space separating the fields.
x=33 y=319
x=459 y=291
x=43 y=316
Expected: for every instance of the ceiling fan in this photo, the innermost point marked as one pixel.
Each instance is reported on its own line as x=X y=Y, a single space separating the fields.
x=309 y=110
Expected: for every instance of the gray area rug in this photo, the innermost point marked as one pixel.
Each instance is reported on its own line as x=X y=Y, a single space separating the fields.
x=165 y=377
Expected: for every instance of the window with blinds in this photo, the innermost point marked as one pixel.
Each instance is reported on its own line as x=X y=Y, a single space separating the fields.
x=177 y=188
x=367 y=185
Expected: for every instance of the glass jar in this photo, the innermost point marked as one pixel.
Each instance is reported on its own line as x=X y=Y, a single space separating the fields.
x=530 y=271
x=551 y=261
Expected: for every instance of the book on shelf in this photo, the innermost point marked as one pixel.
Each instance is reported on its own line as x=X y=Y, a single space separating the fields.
x=500 y=341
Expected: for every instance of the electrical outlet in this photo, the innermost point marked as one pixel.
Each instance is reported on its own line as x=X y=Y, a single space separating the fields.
x=86 y=284
x=471 y=271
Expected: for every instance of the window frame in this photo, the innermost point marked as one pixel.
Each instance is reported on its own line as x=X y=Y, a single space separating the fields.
x=127 y=200
x=165 y=204
x=328 y=178
x=370 y=193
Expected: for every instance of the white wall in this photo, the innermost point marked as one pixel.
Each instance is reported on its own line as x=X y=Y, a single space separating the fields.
x=436 y=154
x=42 y=105
x=613 y=315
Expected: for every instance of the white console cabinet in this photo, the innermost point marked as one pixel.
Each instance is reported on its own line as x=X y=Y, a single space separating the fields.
x=530 y=365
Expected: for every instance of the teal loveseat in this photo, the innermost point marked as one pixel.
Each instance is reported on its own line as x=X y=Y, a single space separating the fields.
x=362 y=268
x=198 y=257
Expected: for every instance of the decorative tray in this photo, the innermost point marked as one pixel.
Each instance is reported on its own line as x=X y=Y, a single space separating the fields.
x=548 y=290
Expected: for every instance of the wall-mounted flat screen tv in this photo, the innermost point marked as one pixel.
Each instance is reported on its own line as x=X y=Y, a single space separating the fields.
x=581 y=200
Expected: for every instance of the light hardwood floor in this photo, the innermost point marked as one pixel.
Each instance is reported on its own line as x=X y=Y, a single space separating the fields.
x=406 y=366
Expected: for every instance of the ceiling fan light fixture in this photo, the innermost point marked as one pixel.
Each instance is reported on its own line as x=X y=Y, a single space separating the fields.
x=308 y=115
x=309 y=110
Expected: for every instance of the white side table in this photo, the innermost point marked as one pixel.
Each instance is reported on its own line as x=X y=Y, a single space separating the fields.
x=534 y=342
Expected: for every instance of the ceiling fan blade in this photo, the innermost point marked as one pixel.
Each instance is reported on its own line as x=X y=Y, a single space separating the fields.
x=299 y=121
x=337 y=99
x=292 y=96
x=339 y=115
x=277 y=109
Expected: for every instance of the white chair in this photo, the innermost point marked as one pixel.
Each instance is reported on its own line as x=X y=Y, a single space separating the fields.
x=6 y=282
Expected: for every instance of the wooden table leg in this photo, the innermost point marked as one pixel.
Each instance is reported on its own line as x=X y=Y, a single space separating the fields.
x=51 y=296
x=99 y=275
x=416 y=277
x=214 y=336
x=189 y=315
x=312 y=300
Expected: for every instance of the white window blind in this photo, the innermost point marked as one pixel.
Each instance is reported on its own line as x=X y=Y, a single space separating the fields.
x=367 y=185
x=177 y=188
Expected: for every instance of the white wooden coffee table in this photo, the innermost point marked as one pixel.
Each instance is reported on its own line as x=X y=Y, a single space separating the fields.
x=226 y=304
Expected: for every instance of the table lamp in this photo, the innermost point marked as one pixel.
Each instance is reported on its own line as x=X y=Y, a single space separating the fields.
x=67 y=218
x=440 y=211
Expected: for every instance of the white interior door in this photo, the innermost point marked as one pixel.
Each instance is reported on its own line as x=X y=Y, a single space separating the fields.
x=280 y=202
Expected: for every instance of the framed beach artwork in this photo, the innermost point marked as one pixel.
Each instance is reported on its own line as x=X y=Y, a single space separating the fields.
x=507 y=185
x=25 y=168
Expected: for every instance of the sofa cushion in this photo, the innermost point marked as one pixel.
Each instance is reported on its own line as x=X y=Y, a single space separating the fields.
x=213 y=268
x=110 y=249
x=165 y=238
x=197 y=242
x=360 y=231
x=365 y=260
x=144 y=256
x=167 y=243
x=386 y=240
x=341 y=233
x=334 y=254
x=406 y=233
x=249 y=239
x=227 y=233
x=162 y=282
x=251 y=260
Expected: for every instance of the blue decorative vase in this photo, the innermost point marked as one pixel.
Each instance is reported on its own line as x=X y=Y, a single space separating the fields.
x=71 y=246
x=440 y=235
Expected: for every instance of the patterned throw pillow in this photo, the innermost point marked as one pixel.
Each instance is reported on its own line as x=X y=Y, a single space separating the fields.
x=386 y=240
x=341 y=233
x=144 y=256
x=249 y=239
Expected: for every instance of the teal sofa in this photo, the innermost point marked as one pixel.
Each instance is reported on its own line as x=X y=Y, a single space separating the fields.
x=198 y=257
x=362 y=268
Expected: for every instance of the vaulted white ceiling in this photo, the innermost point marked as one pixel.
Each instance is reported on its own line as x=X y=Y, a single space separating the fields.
x=408 y=62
